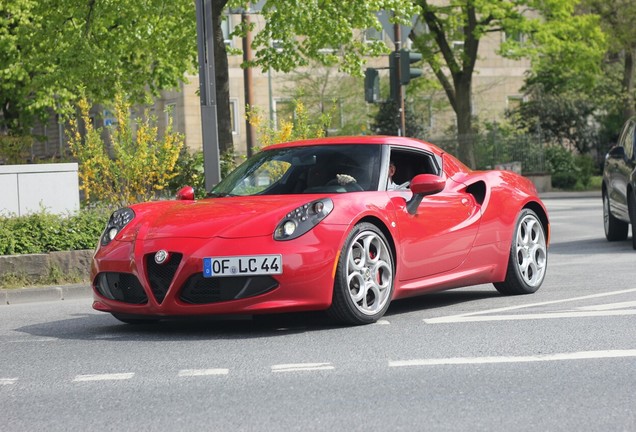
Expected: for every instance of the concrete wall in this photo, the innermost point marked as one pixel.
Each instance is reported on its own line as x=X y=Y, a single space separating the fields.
x=28 y=189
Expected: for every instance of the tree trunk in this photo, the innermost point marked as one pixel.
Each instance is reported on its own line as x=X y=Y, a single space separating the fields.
x=463 y=111
x=629 y=108
x=223 y=114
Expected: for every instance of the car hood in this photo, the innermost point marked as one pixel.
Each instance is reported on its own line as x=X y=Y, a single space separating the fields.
x=229 y=217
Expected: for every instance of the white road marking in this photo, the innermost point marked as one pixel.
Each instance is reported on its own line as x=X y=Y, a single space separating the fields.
x=460 y=317
x=382 y=322
x=583 y=355
x=609 y=306
x=534 y=316
x=104 y=377
x=297 y=367
x=34 y=340
x=202 y=372
x=7 y=381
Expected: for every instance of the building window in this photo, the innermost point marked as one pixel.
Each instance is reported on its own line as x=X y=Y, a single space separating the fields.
x=283 y=111
x=228 y=28
x=234 y=115
x=513 y=102
x=514 y=35
x=171 y=113
x=373 y=35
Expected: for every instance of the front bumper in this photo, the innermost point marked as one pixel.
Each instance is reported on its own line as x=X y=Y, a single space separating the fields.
x=126 y=279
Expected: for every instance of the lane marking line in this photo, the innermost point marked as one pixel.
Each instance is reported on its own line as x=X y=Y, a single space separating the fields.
x=535 y=316
x=509 y=308
x=583 y=355
x=609 y=306
x=297 y=367
x=382 y=322
x=7 y=381
x=202 y=372
x=104 y=377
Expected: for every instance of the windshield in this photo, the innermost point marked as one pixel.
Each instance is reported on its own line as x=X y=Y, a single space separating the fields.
x=307 y=169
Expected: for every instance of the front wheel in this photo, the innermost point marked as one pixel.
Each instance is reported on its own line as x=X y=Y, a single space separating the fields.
x=528 y=256
x=615 y=229
x=364 y=277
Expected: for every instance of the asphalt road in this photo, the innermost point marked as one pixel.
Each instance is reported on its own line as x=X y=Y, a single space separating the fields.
x=561 y=359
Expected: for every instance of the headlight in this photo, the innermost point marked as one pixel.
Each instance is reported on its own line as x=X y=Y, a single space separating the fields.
x=297 y=222
x=118 y=220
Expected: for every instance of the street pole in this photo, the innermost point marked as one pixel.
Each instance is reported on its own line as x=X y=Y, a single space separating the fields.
x=207 y=87
x=247 y=80
x=397 y=32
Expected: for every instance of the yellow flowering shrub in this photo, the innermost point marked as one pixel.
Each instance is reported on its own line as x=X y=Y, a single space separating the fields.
x=139 y=165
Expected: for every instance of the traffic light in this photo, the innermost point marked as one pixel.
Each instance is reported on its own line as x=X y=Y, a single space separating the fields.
x=407 y=73
x=371 y=85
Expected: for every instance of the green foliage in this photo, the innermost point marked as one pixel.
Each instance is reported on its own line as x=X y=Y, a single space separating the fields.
x=387 y=121
x=297 y=126
x=52 y=48
x=562 y=166
x=562 y=118
x=190 y=172
x=14 y=149
x=142 y=163
x=54 y=232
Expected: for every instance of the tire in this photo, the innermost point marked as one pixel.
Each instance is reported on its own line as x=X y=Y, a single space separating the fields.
x=134 y=319
x=615 y=229
x=528 y=260
x=632 y=216
x=364 y=277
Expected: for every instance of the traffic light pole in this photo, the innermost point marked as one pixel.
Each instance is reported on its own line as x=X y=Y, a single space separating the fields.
x=400 y=91
x=207 y=86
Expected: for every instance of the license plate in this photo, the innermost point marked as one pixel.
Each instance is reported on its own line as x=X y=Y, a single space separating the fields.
x=250 y=265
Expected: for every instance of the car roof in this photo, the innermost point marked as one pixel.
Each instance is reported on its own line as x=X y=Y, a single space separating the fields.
x=368 y=140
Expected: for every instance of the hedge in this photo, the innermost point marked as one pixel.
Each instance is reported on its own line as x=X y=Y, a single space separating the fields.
x=43 y=232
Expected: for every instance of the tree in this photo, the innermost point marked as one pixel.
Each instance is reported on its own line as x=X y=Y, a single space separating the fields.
x=546 y=26
x=387 y=121
x=53 y=48
x=617 y=20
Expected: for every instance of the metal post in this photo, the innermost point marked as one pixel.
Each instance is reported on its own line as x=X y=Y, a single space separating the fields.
x=247 y=80
x=207 y=86
x=397 y=31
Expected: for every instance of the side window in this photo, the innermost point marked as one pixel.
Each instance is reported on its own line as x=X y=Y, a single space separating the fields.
x=409 y=163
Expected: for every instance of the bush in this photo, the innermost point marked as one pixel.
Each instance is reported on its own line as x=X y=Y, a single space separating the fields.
x=54 y=232
x=562 y=166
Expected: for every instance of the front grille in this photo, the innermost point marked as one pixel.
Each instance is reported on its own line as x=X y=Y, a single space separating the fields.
x=201 y=290
x=160 y=275
x=124 y=287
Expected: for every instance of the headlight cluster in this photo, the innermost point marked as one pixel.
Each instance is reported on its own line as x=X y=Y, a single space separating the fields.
x=118 y=220
x=300 y=220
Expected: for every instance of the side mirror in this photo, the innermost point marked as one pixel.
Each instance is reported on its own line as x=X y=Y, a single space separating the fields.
x=186 y=193
x=422 y=185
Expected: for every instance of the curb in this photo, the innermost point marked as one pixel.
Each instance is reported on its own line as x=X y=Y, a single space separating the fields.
x=570 y=195
x=52 y=293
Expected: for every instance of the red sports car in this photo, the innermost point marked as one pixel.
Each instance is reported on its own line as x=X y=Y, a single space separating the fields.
x=338 y=224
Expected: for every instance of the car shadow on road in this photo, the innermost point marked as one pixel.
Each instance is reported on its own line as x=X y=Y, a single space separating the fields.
x=590 y=246
x=103 y=327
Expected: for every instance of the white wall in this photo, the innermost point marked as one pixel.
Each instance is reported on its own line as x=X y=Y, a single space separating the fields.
x=28 y=189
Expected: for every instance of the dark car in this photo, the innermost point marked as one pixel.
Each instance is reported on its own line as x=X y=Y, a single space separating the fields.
x=619 y=186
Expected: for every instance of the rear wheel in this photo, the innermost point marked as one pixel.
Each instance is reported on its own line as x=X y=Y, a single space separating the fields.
x=632 y=216
x=615 y=229
x=364 y=277
x=528 y=256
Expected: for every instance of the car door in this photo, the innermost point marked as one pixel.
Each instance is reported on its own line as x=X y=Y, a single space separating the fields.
x=619 y=166
x=439 y=236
